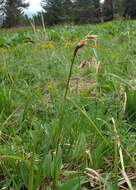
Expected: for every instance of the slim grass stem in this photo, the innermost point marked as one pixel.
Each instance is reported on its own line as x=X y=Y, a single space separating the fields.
x=61 y=111
x=31 y=174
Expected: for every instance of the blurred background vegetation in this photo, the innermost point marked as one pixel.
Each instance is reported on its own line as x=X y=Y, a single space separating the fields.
x=66 y=11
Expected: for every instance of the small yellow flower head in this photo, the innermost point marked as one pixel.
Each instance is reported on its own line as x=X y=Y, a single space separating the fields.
x=47 y=45
x=67 y=43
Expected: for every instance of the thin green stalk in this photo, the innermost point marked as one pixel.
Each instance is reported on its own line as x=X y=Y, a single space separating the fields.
x=8 y=75
x=59 y=127
x=61 y=112
x=116 y=157
x=31 y=174
x=43 y=25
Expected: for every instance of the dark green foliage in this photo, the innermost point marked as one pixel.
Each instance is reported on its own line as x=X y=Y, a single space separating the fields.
x=67 y=7
x=86 y=11
x=119 y=8
x=53 y=10
x=131 y=106
x=57 y=11
x=79 y=11
x=130 y=8
x=13 y=11
x=108 y=9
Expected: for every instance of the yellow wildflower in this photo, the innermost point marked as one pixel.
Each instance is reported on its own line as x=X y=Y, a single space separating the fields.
x=47 y=45
x=67 y=43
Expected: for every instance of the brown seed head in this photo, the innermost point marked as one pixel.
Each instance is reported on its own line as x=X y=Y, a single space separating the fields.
x=92 y=37
x=81 y=44
x=93 y=174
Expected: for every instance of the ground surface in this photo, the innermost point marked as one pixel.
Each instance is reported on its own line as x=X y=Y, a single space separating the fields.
x=47 y=143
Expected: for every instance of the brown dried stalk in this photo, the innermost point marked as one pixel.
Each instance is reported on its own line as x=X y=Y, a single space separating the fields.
x=124 y=174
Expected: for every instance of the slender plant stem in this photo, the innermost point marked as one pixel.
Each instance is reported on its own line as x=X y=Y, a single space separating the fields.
x=61 y=112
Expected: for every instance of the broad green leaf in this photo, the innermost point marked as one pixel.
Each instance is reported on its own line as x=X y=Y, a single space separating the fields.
x=47 y=165
x=79 y=148
x=56 y=164
x=73 y=184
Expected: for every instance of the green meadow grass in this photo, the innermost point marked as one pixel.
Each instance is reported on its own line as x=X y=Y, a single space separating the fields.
x=46 y=142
